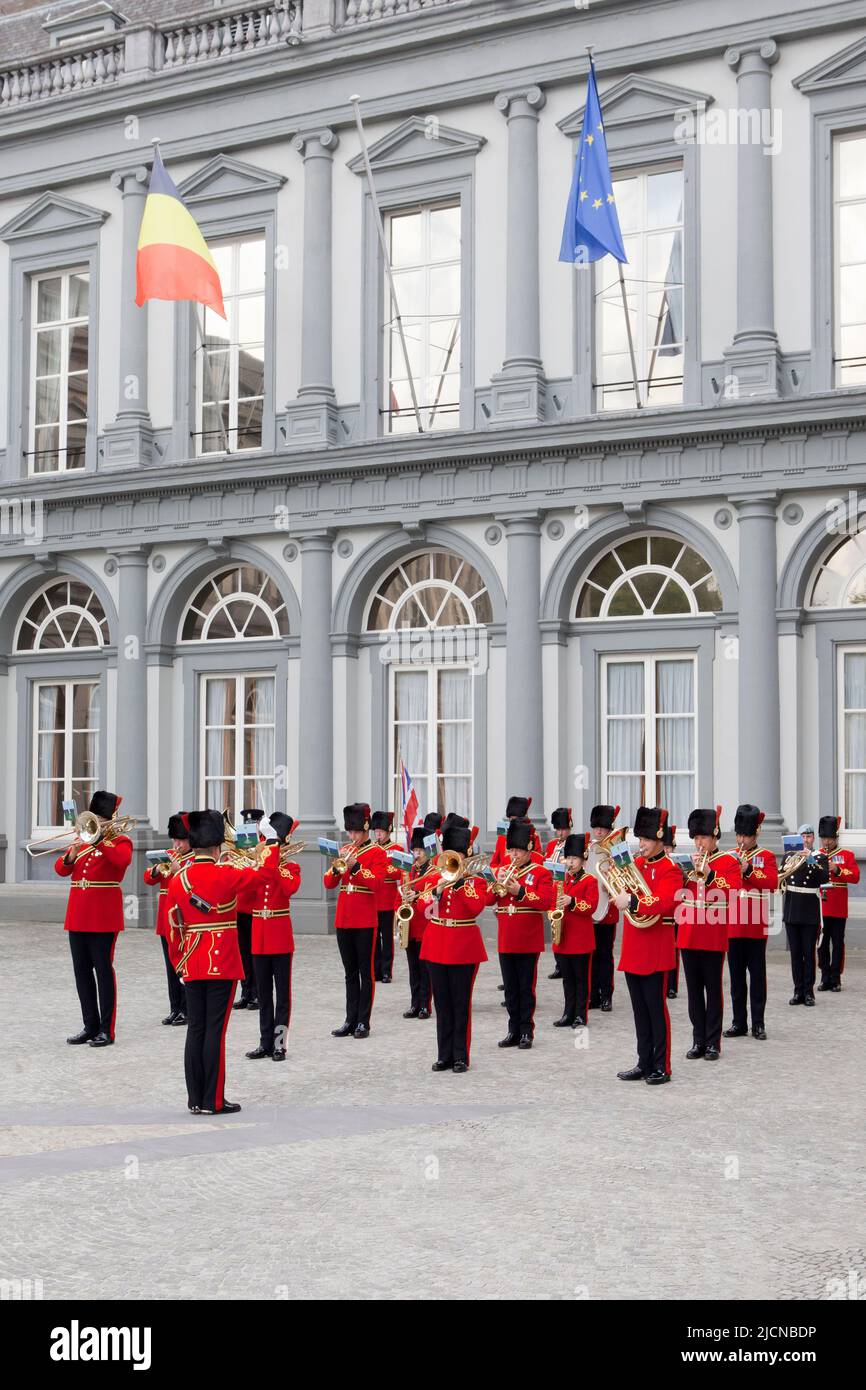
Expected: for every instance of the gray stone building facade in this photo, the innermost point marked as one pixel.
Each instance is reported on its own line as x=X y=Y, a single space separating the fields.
x=233 y=570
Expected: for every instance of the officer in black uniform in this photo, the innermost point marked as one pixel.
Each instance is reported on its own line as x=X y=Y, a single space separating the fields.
x=801 y=914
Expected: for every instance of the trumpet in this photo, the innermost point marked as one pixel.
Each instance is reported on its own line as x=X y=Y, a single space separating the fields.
x=698 y=872
x=341 y=863
x=86 y=827
x=503 y=879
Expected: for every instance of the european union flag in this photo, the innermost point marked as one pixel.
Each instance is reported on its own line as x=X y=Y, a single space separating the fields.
x=591 y=221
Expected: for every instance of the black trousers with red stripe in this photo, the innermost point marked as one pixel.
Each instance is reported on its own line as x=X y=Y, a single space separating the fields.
x=208 y=1011
x=703 y=971
x=674 y=975
x=652 y=1024
x=384 y=960
x=831 y=952
x=274 y=985
x=93 y=965
x=420 y=988
x=802 y=940
x=176 y=1000
x=452 y=994
x=748 y=954
x=245 y=946
x=602 y=963
x=356 y=952
x=519 y=973
x=576 y=973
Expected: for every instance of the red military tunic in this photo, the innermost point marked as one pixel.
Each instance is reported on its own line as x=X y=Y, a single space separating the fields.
x=424 y=888
x=388 y=892
x=749 y=912
x=502 y=853
x=357 y=904
x=154 y=877
x=844 y=870
x=521 y=919
x=702 y=916
x=646 y=950
x=554 y=850
x=453 y=936
x=275 y=886
x=95 y=895
x=578 y=928
x=209 y=949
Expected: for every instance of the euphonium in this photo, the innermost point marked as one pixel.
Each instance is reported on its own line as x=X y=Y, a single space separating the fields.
x=625 y=877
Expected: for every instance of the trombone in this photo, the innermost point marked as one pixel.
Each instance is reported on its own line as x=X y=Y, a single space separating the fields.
x=289 y=848
x=86 y=827
x=453 y=866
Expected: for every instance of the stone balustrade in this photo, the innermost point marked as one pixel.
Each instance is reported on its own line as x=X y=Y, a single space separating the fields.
x=57 y=73
x=221 y=34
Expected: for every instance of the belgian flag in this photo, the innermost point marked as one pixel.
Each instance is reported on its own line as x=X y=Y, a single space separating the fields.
x=173 y=260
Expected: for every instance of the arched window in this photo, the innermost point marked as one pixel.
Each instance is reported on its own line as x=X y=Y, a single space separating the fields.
x=236 y=604
x=430 y=590
x=64 y=616
x=649 y=577
x=841 y=578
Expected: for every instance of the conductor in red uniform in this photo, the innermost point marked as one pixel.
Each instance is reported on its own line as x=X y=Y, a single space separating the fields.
x=647 y=952
x=749 y=926
x=702 y=930
x=577 y=937
x=94 y=918
x=844 y=872
x=157 y=875
x=357 y=919
x=273 y=941
x=203 y=905
x=561 y=821
x=453 y=949
x=521 y=898
x=387 y=897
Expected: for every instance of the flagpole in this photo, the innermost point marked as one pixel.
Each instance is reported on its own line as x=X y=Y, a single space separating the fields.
x=380 y=228
x=630 y=338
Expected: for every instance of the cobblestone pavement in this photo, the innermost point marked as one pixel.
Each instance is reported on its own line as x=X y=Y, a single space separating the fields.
x=355 y=1171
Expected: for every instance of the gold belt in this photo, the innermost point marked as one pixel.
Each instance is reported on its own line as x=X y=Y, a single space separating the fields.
x=813 y=892
x=190 y=928
x=273 y=912
x=453 y=921
x=510 y=911
x=94 y=883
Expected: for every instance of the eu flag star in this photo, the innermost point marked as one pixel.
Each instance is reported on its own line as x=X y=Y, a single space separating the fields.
x=583 y=195
x=611 y=198
x=590 y=139
x=597 y=203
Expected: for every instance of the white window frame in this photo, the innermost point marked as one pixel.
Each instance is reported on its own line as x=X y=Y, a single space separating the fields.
x=256 y=602
x=65 y=324
x=68 y=732
x=650 y=774
x=238 y=777
x=838 y=202
x=855 y=832
x=433 y=773
x=638 y=289
x=233 y=296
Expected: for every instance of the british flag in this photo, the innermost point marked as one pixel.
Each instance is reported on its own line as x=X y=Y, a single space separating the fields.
x=409 y=800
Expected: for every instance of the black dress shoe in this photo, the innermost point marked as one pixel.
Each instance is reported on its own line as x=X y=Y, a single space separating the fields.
x=362 y=1031
x=239 y=1004
x=695 y=1051
x=606 y=1005
x=796 y=999
x=595 y=1002
x=824 y=986
x=564 y=1022
x=809 y=1001
x=253 y=1004
x=503 y=1004
x=179 y=1019
x=460 y=1067
x=510 y=1040
x=579 y=1022
x=279 y=1054
x=525 y=1042
x=258 y=1052
x=500 y=986
x=442 y=1066
x=169 y=1020
x=760 y=1033
x=712 y=1054
x=81 y=1037
x=734 y=1032
x=411 y=1013
x=672 y=994
x=344 y=1031
x=228 y=1107
x=194 y=1109
x=101 y=1040
x=633 y=1074
x=657 y=1078
x=555 y=974
x=837 y=988
x=386 y=979
x=423 y=1013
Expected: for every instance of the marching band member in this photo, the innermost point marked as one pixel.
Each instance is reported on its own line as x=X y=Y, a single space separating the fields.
x=749 y=925
x=577 y=939
x=203 y=905
x=357 y=875
x=602 y=820
x=702 y=931
x=647 y=953
x=253 y=815
x=523 y=893
x=516 y=809
x=453 y=948
x=801 y=913
x=844 y=870
x=387 y=898
x=273 y=941
x=95 y=917
x=669 y=840
x=157 y=875
x=562 y=822
x=425 y=876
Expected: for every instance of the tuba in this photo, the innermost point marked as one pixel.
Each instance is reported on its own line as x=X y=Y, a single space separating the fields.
x=622 y=875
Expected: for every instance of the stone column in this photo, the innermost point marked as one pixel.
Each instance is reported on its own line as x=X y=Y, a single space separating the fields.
x=759 y=729
x=131 y=719
x=753 y=357
x=129 y=438
x=524 y=750
x=315 y=808
x=519 y=392
x=312 y=419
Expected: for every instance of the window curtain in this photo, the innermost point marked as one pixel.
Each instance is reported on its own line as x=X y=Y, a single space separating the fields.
x=50 y=754
x=411 y=731
x=675 y=737
x=855 y=740
x=625 y=734
x=454 y=742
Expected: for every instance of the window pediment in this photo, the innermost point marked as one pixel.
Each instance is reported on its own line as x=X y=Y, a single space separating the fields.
x=842 y=69
x=224 y=177
x=418 y=141
x=638 y=100
x=51 y=213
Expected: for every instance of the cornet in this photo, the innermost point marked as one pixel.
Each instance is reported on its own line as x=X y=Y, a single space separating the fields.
x=699 y=870
x=504 y=877
x=86 y=827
